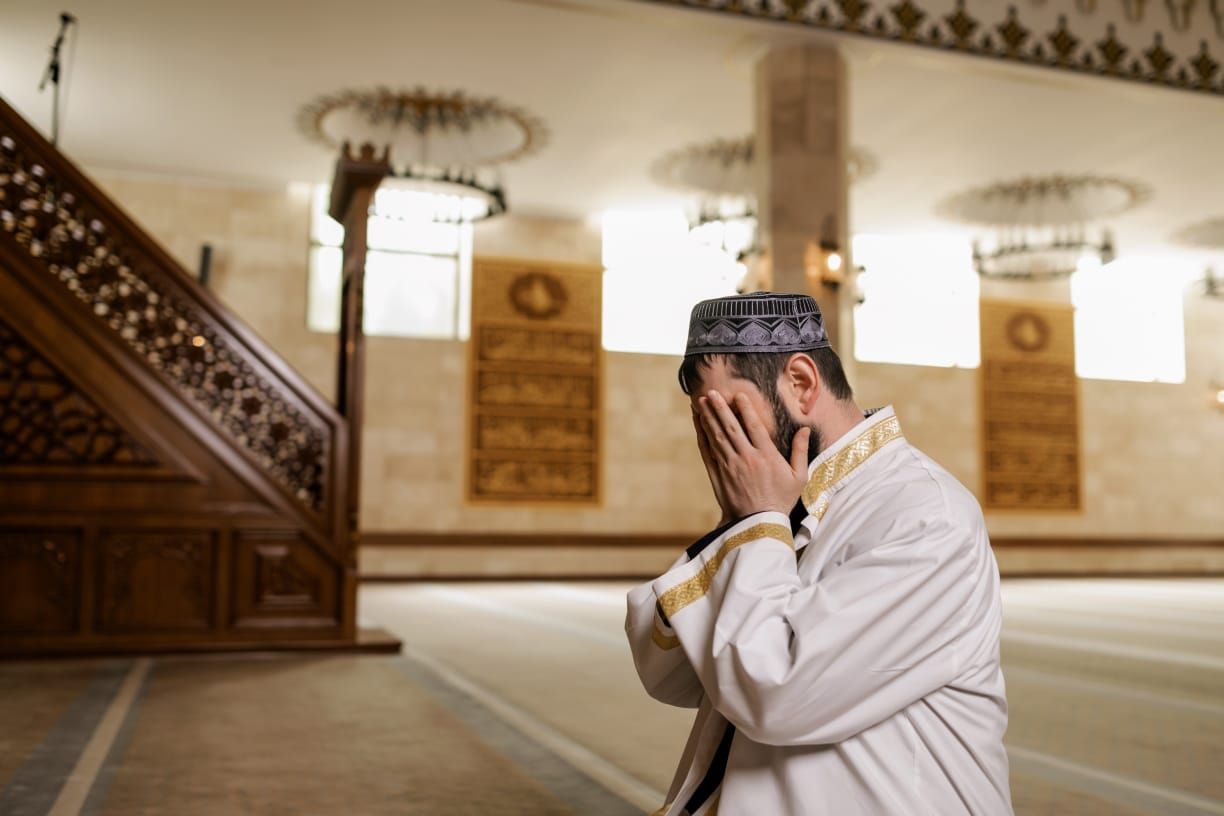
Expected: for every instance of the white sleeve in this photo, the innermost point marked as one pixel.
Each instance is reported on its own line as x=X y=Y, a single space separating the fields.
x=660 y=662
x=790 y=664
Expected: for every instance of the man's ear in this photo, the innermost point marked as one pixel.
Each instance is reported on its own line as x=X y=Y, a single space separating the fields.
x=802 y=377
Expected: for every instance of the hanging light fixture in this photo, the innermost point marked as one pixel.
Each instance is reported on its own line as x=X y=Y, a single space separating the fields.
x=1208 y=237
x=721 y=172
x=445 y=148
x=1045 y=227
x=724 y=214
x=1213 y=287
x=823 y=262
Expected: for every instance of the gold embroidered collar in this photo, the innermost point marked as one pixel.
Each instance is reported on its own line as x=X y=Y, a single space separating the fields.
x=841 y=460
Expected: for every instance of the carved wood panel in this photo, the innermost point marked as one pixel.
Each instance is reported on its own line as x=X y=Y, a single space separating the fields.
x=535 y=383
x=150 y=561
x=156 y=580
x=39 y=580
x=82 y=246
x=278 y=577
x=46 y=420
x=1030 y=407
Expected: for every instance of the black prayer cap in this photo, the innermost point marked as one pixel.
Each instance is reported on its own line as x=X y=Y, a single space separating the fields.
x=760 y=322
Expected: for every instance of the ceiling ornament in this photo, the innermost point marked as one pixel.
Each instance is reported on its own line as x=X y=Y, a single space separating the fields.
x=1044 y=227
x=721 y=172
x=447 y=144
x=1208 y=236
x=1180 y=13
x=1048 y=35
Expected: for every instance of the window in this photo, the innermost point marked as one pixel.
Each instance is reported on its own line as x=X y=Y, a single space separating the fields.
x=418 y=272
x=655 y=270
x=920 y=302
x=1129 y=320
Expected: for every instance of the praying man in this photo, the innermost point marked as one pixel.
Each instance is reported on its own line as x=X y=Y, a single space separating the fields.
x=838 y=633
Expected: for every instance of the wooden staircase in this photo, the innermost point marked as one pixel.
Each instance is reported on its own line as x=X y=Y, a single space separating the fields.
x=167 y=481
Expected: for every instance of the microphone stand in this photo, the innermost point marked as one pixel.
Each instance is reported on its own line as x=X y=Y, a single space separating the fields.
x=52 y=75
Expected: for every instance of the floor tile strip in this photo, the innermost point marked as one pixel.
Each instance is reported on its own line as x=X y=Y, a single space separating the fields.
x=1105 y=785
x=474 y=600
x=34 y=787
x=76 y=788
x=586 y=782
x=1095 y=646
x=114 y=757
x=1062 y=681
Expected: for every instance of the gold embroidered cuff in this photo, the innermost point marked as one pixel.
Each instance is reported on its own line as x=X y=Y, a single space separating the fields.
x=681 y=595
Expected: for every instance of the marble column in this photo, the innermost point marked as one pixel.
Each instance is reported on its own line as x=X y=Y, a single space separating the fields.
x=801 y=175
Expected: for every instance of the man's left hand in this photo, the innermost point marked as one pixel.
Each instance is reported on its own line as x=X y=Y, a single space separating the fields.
x=755 y=477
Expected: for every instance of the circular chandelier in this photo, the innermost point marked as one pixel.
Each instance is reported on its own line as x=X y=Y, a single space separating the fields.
x=1209 y=236
x=1045 y=227
x=445 y=147
x=721 y=172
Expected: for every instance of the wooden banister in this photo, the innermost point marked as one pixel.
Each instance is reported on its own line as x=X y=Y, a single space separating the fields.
x=122 y=277
x=251 y=463
x=354 y=185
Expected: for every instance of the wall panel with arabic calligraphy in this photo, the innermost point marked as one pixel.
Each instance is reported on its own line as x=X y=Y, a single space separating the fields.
x=535 y=383
x=1030 y=407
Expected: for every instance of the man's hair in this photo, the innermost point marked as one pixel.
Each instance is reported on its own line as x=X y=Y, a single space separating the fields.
x=763 y=370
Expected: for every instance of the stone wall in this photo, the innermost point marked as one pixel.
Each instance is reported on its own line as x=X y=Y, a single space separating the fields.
x=1153 y=454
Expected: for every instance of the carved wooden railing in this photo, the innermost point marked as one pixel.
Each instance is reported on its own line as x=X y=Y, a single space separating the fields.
x=121 y=277
x=354 y=184
x=66 y=242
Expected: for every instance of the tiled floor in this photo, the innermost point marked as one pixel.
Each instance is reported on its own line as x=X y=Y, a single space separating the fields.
x=520 y=698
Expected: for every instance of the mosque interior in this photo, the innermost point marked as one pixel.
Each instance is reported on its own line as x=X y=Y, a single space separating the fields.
x=338 y=397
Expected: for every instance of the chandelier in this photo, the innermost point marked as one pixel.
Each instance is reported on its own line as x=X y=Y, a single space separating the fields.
x=445 y=148
x=1212 y=286
x=1045 y=227
x=721 y=172
x=1207 y=236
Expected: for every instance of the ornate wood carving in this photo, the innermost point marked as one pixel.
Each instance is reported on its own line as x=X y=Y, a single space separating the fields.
x=281 y=581
x=1030 y=407
x=156 y=580
x=107 y=344
x=535 y=383
x=40 y=580
x=278 y=577
x=46 y=420
x=84 y=247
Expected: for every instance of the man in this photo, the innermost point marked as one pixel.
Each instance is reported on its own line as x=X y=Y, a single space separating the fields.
x=838 y=634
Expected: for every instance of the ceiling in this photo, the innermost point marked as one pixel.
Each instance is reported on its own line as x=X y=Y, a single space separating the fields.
x=211 y=90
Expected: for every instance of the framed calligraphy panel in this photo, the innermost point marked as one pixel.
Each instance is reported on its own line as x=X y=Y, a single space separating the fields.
x=535 y=383
x=1030 y=415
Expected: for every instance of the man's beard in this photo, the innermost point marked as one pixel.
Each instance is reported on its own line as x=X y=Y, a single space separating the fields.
x=785 y=428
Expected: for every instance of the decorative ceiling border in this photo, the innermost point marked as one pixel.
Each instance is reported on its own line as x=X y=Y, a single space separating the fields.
x=1006 y=37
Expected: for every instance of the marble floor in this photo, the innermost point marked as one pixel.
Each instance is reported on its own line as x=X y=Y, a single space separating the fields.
x=520 y=698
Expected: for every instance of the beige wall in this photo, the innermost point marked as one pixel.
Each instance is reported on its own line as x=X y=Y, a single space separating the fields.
x=260 y=238
x=1153 y=454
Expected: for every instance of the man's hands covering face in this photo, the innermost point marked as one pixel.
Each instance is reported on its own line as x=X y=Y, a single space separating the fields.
x=746 y=471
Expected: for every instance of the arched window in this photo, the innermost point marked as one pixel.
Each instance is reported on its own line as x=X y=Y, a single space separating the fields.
x=418 y=272
x=654 y=271
x=920 y=302
x=1129 y=320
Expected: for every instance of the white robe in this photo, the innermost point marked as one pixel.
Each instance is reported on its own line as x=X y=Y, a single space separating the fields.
x=863 y=678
